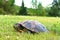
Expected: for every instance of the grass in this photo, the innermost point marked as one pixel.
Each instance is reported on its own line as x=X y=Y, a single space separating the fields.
x=7 y=31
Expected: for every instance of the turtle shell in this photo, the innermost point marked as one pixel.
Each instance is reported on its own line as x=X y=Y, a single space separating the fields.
x=33 y=26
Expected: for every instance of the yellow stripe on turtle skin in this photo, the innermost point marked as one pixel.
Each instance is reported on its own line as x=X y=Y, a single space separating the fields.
x=20 y=30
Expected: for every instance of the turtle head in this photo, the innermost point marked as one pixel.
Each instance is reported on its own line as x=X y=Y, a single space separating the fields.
x=18 y=27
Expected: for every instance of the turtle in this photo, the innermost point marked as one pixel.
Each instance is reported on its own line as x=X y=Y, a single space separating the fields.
x=30 y=26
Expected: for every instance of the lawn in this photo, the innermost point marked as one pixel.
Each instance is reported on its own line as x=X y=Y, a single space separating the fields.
x=7 y=31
